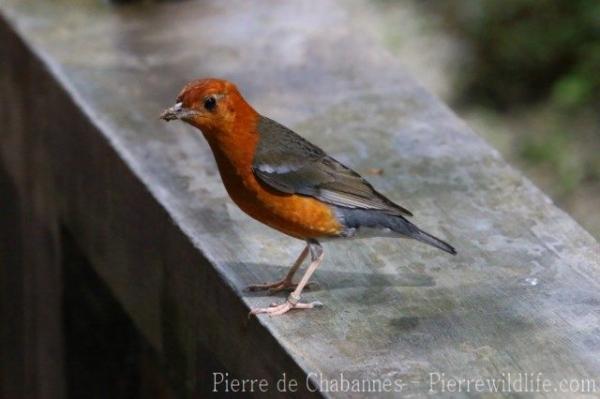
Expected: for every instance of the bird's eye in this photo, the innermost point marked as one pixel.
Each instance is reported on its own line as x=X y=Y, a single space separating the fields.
x=210 y=103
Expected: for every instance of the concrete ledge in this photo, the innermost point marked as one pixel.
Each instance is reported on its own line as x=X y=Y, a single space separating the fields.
x=83 y=150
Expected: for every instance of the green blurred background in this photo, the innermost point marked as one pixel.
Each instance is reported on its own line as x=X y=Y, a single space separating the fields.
x=525 y=74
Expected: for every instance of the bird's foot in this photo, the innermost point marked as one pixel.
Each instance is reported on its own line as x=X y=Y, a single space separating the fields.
x=291 y=303
x=277 y=286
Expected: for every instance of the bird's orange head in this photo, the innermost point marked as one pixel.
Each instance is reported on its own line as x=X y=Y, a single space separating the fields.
x=212 y=105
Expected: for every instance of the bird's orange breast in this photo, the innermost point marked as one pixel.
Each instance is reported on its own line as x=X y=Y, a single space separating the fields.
x=298 y=216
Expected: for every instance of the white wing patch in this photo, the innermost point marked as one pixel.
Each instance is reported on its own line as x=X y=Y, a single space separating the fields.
x=266 y=168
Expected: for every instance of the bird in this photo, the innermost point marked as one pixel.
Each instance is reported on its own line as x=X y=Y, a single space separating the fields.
x=284 y=181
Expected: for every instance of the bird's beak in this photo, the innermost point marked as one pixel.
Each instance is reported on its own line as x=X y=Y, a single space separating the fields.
x=177 y=111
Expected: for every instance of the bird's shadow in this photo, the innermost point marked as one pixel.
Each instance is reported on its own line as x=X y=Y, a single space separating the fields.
x=325 y=279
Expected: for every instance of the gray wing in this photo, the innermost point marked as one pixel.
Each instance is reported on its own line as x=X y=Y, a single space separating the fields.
x=290 y=164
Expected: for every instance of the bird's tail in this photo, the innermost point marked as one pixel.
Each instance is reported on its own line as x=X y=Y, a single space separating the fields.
x=401 y=225
x=427 y=238
x=380 y=224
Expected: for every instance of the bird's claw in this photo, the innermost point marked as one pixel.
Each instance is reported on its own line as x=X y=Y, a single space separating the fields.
x=278 y=309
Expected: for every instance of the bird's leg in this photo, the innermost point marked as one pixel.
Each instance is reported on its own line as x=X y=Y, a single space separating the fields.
x=286 y=282
x=293 y=301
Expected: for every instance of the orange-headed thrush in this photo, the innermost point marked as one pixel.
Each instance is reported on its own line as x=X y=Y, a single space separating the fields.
x=288 y=183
